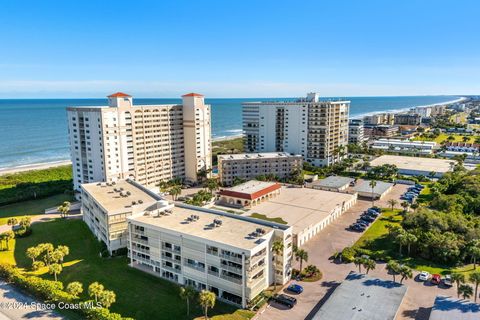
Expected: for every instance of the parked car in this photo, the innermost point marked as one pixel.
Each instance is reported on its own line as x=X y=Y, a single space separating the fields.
x=372 y=213
x=447 y=281
x=424 y=276
x=376 y=208
x=421 y=186
x=436 y=279
x=295 y=288
x=285 y=300
x=362 y=223
x=367 y=218
x=357 y=227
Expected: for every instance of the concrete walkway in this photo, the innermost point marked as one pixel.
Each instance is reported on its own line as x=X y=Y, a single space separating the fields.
x=16 y=305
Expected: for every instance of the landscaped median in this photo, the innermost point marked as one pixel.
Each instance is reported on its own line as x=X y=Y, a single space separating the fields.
x=138 y=294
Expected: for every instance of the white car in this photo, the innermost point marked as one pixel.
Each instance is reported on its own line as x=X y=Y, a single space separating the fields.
x=424 y=276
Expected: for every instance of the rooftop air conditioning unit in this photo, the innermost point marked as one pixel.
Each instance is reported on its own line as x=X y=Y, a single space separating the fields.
x=140 y=201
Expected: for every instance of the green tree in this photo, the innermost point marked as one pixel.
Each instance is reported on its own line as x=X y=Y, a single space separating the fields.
x=415 y=206
x=64 y=209
x=410 y=239
x=175 y=191
x=393 y=267
x=107 y=298
x=465 y=291
x=95 y=289
x=358 y=261
x=405 y=273
x=64 y=250
x=372 y=185
x=12 y=221
x=277 y=249
x=75 y=288
x=405 y=206
x=207 y=300
x=458 y=278
x=211 y=184
x=369 y=264
x=474 y=251
x=392 y=203
x=55 y=269
x=301 y=255
x=187 y=293
x=475 y=278
x=33 y=253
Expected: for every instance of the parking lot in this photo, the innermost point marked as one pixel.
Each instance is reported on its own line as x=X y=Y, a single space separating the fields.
x=418 y=300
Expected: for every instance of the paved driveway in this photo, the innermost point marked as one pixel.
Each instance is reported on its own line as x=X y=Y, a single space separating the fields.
x=335 y=237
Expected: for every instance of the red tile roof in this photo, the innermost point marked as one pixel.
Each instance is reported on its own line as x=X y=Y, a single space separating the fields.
x=193 y=95
x=251 y=196
x=119 y=94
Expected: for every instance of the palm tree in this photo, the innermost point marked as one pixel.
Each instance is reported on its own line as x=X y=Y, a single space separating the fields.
x=107 y=298
x=211 y=184
x=410 y=239
x=277 y=249
x=415 y=206
x=207 y=300
x=74 y=288
x=465 y=291
x=405 y=273
x=55 y=269
x=432 y=174
x=175 y=191
x=64 y=209
x=474 y=251
x=358 y=261
x=187 y=293
x=393 y=267
x=458 y=278
x=405 y=206
x=372 y=185
x=12 y=221
x=33 y=253
x=301 y=255
x=392 y=203
x=369 y=264
x=475 y=278
x=7 y=236
x=95 y=289
x=401 y=239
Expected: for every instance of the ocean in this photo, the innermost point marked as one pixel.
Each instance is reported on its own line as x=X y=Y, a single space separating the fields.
x=34 y=130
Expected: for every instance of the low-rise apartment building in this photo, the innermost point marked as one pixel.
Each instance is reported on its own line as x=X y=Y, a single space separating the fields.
x=405 y=146
x=106 y=206
x=208 y=249
x=383 y=130
x=247 y=166
x=148 y=143
x=408 y=119
x=380 y=118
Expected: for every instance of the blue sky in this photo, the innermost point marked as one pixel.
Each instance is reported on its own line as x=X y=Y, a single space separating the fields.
x=239 y=48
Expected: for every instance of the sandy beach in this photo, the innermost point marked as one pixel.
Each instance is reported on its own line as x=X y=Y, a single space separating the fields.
x=36 y=166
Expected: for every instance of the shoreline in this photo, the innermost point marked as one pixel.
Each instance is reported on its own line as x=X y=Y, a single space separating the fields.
x=34 y=166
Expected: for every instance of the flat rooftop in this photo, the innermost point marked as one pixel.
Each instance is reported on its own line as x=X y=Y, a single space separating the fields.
x=360 y=297
x=414 y=163
x=364 y=186
x=333 y=182
x=119 y=196
x=234 y=231
x=301 y=207
x=448 y=308
x=263 y=155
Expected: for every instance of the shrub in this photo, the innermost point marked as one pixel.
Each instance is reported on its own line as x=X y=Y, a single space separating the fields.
x=348 y=254
x=37 y=265
x=23 y=232
x=120 y=252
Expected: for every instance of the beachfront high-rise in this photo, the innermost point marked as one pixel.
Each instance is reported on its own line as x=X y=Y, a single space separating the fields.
x=148 y=143
x=311 y=127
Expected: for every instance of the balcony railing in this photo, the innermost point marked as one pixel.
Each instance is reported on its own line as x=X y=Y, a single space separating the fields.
x=230 y=257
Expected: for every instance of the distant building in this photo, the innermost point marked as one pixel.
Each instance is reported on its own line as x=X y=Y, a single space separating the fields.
x=248 y=166
x=415 y=166
x=364 y=189
x=356 y=133
x=405 y=146
x=148 y=143
x=462 y=147
x=310 y=127
x=449 y=308
x=332 y=183
x=248 y=194
x=408 y=119
x=360 y=296
x=380 y=118
x=424 y=112
x=377 y=131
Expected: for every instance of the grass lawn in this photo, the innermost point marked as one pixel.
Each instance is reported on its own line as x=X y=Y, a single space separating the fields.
x=139 y=295
x=375 y=239
x=425 y=195
x=443 y=136
x=226 y=146
x=31 y=207
x=264 y=217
